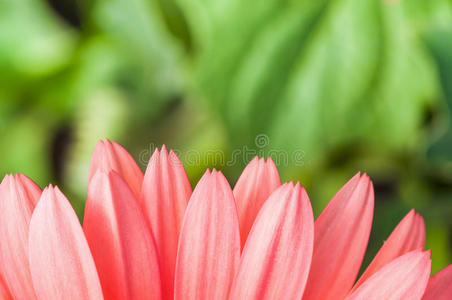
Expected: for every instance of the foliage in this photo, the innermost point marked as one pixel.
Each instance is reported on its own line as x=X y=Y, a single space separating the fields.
x=353 y=85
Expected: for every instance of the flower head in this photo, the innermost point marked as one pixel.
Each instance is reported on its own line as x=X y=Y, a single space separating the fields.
x=150 y=237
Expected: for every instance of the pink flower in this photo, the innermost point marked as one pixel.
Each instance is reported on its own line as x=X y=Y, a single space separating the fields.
x=150 y=237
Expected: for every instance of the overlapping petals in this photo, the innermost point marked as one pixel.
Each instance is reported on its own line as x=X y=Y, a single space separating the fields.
x=405 y=277
x=409 y=235
x=120 y=240
x=109 y=156
x=277 y=256
x=341 y=235
x=258 y=180
x=150 y=237
x=440 y=286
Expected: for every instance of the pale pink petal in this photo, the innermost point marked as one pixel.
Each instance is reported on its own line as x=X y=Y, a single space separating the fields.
x=405 y=278
x=277 y=255
x=110 y=156
x=60 y=260
x=408 y=235
x=340 y=240
x=209 y=244
x=120 y=240
x=258 y=180
x=440 y=286
x=164 y=198
x=18 y=197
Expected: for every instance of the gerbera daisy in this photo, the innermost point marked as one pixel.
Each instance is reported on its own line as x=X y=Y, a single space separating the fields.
x=149 y=237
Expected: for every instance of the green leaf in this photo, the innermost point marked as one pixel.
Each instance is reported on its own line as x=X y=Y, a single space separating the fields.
x=33 y=42
x=315 y=76
x=138 y=28
x=440 y=42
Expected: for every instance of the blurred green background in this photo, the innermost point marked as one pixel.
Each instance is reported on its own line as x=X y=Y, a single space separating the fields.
x=349 y=85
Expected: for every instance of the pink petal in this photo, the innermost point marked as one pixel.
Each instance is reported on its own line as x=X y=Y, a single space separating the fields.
x=340 y=240
x=408 y=235
x=164 y=198
x=209 y=244
x=405 y=278
x=18 y=197
x=277 y=255
x=258 y=180
x=120 y=240
x=4 y=293
x=109 y=156
x=440 y=285
x=60 y=261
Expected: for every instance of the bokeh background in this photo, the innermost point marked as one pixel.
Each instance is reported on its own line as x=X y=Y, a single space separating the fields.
x=352 y=85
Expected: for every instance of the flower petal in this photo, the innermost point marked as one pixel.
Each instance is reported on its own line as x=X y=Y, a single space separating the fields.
x=4 y=293
x=405 y=278
x=60 y=261
x=120 y=240
x=340 y=240
x=440 y=285
x=109 y=156
x=408 y=235
x=258 y=180
x=18 y=197
x=209 y=244
x=277 y=255
x=164 y=198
